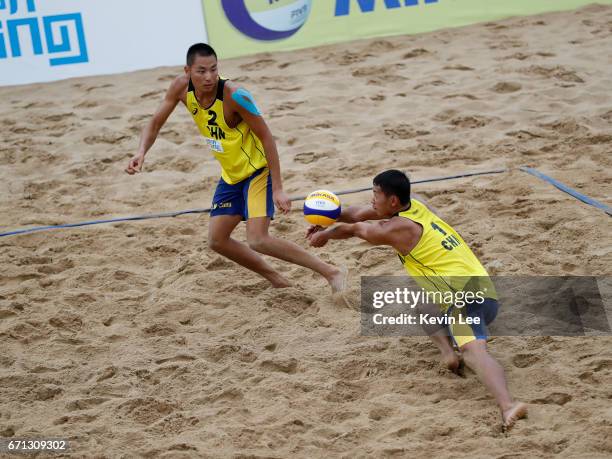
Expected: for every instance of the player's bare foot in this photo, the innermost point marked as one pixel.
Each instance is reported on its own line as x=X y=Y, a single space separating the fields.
x=279 y=281
x=517 y=411
x=338 y=280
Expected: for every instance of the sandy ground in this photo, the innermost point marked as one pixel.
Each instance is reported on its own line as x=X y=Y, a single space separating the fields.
x=134 y=339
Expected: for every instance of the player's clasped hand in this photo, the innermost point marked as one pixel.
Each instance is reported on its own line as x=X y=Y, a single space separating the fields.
x=281 y=201
x=312 y=229
x=135 y=165
x=317 y=236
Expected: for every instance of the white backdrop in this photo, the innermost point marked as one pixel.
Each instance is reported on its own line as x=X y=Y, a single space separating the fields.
x=46 y=40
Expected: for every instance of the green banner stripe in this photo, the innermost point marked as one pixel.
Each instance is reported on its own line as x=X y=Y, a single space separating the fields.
x=387 y=17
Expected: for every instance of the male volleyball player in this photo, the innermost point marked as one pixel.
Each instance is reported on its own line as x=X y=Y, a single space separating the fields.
x=438 y=259
x=250 y=185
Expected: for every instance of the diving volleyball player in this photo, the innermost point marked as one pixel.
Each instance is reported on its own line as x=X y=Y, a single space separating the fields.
x=438 y=259
x=250 y=185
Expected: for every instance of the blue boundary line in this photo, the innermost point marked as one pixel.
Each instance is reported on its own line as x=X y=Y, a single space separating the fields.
x=568 y=190
x=201 y=211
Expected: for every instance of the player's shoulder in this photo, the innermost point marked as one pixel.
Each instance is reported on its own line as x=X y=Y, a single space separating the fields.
x=240 y=96
x=179 y=85
x=398 y=223
x=232 y=87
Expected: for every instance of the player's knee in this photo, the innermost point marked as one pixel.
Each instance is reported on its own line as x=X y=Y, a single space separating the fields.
x=474 y=349
x=215 y=243
x=258 y=243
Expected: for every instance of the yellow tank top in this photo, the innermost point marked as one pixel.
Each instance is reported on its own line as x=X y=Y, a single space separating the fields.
x=238 y=150
x=441 y=260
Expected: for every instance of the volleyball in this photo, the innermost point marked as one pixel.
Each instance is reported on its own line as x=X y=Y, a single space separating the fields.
x=322 y=208
x=267 y=20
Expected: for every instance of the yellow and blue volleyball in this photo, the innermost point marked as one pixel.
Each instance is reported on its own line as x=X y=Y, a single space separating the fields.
x=322 y=208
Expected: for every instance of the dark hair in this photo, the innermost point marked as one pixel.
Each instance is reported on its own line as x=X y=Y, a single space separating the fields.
x=394 y=182
x=199 y=49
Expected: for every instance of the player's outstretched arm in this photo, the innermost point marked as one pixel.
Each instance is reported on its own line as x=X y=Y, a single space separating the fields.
x=151 y=130
x=352 y=214
x=374 y=233
x=355 y=214
x=397 y=233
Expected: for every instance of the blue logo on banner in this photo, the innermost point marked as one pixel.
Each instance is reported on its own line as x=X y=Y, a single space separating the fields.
x=367 y=6
x=272 y=23
x=56 y=30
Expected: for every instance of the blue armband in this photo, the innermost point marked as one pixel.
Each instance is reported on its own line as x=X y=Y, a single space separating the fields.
x=245 y=100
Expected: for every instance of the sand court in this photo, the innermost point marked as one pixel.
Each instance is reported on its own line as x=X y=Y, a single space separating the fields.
x=134 y=339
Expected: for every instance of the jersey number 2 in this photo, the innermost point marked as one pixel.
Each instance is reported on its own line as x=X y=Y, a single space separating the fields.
x=213 y=118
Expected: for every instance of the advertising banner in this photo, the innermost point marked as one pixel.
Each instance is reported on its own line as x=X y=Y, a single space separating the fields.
x=46 y=40
x=243 y=27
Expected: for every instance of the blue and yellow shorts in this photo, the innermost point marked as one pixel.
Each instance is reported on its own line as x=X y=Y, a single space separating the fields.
x=463 y=333
x=250 y=198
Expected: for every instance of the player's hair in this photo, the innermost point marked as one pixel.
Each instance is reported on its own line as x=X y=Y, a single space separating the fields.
x=199 y=49
x=394 y=182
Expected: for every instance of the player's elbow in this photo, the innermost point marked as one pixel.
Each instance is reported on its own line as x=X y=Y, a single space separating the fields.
x=368 y=232
x=362 y=230
x=156 y=124
x=269 y=145
x=351 y=215
x=347 y=216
